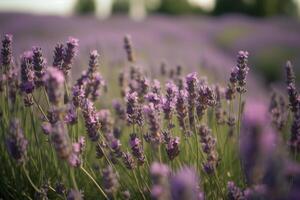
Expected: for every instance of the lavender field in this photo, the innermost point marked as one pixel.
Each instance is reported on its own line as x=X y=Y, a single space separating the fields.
x=168 y=108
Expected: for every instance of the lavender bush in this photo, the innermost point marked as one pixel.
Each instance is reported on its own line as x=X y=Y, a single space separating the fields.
x=176 y=137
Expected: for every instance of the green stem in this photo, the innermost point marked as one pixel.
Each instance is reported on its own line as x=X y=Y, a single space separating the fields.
x=239 y=115
x=95 y=182
x=138 y=185
x=29 y=179
x=73 y=178
x=40 y=108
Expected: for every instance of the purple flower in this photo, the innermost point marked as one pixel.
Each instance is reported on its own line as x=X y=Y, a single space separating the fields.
x=293 y=97
x=126 y=195
x=206 y=97
x=172 y=147
x=160 y=177
x=58 y=56
x=46 y=128
x=137 y=149
x=128 y=161
x=133 y=109
x=154 y=98
x=294 y=141
x=231 y=87
x=181 y=108
x=60 y=140
x=234 y=193
x=119 y=109
x=39 y=65
x=242 y=70
x=290 y=74
x=54 y=82
x=105 y=120
x=220 y=113
x=69 y=54
x=116 y=147
x=154 y=123
x=209 y=148
x=110 y=181
x=6 y=51
x=12 y=77
x=94 y=61
x=71 y=115
x=184 y=185
x=15 y=142
x=128 y=48
x=74 y=160
x=168 y=103
x=156 y=86
x=27 y=73
x=258 y=143
x=91 y=119
x=74 y=195
x=191 y=82
x=78 y=94
x=278 y=110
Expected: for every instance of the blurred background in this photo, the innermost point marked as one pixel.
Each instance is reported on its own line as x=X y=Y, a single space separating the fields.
x=203 y=34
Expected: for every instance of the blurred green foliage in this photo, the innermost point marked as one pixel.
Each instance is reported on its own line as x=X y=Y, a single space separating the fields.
x=178 y=8
x=269 y=62
x=262 y=8
x=85 y=6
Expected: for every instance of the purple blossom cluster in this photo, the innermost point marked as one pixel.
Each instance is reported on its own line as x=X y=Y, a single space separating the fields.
x=256 y=156
x=209 y=148
x=16 y=142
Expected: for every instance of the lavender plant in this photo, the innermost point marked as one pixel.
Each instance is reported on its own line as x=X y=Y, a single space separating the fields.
x=163 y=138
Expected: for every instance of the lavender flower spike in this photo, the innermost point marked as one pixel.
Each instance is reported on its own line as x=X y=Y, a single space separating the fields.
x=91 y=119
x=39 y=64
x=242 y=70
x=191 y=82
x=15 y=142
x=290 y=74
x=69 y=54
x=58 y=56
x=137 y=149
x=27 y=78
x=110 y=181
x=172 y=147
x=133 y=109
x=27 y=74
x=61 y=140
x=154 y=124
x=160 y=177
x=181 y=108
x=6 y=51
x=184 y=185
x=74 y=195
x=128 y=161
x=54 y=82
x=234 y=193
x=209 y=148
x=128 y=48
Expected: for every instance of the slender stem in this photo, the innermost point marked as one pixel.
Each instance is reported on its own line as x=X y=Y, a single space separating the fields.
x=138 y=185
x=73 y=178
x=239 y=114
x=36 y=138
x=95 y=182
x=29 y=179
x=40 y=108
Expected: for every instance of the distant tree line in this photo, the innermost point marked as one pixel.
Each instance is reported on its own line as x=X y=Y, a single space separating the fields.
x=260 y=8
